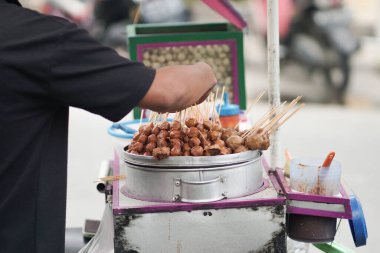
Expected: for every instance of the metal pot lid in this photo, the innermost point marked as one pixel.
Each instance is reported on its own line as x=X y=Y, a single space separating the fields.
x=357 y=223
x=191 y=161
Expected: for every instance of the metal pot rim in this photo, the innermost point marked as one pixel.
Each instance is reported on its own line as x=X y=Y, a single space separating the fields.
x=220 y=167
x=191 y=161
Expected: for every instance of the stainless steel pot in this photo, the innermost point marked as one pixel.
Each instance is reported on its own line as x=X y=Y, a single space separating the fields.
x=193 y=179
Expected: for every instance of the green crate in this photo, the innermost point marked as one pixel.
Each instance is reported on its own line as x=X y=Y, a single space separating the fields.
x=219 y=44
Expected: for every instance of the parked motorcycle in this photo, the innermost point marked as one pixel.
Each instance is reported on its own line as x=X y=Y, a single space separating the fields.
x=106 y=20
x=317 y=35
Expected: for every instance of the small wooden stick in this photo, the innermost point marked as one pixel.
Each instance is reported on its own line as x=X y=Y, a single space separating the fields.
x=203 y=110
x=210 y=106
x=256 y=100
x=285 y=119
x=137 y=14
x=150 y=116
x=251 y=106
x=200 y=114
x=221 y=101
x=156 y=117
x=141 y=117
x=213 y=106
x=110 y=178
x=159 y=118
x=263 y=119
x=281 y=114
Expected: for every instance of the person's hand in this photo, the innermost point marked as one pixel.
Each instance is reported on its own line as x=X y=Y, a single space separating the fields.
x=175 y=88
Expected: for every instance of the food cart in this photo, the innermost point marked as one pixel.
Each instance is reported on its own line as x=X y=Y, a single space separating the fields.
x=232 y=203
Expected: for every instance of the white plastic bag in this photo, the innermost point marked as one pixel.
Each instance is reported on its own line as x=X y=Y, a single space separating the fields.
x=102 y=242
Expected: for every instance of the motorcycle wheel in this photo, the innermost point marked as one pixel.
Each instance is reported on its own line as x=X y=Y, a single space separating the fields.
x=337 y=77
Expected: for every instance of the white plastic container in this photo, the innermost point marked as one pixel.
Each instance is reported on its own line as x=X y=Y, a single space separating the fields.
x=308 y=176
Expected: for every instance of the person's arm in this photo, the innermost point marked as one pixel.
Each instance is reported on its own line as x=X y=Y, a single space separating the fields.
x=175 y=88
x=84 y=74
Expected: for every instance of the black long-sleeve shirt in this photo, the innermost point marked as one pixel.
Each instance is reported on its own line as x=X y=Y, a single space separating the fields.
x=46 y=65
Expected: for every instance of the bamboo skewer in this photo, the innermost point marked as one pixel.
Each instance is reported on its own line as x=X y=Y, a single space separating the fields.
x=257 y=99
x=285 y=119
x=137 y=14
x=281 y=114
x=251 y=106
x=221 y=101
x=110 y=178
x=263 y=119
x=267 y=125
x=141 y=117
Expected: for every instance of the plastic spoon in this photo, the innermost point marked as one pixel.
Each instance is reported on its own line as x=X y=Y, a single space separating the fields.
x=328 y=160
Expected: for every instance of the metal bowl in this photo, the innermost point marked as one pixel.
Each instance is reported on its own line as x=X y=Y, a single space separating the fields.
x=191 y=161
x=193 y=179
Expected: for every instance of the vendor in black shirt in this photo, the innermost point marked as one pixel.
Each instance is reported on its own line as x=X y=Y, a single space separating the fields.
x=46 y=65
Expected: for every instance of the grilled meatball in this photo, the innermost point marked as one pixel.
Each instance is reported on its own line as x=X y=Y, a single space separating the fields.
x=186 y=147
x=191 y=122
x=148 y=129
x=150 y=146
x=162 y=143
x=207 y=124
x=228 y=132
x=136 y=136
x=215 y=135
x=195 y=141
x=234 y=142
x=225 y=151
x=156 y=130
x=164 y=125
x=152 y=138
x=176 y=125
x=163 y=134
x=253 y=142
x=143 y=138
x=175 y=142
x=258 y=141
x=200 y=127
x=196 y=151
x=147 y=153
x=175 y=134
x=138 y=147
x=185 y=139
x=216 y=127
x=213 y=150
x=161 y=153
x=220 y=143
x=193 y=132
x=176 y=151
x=240 y=149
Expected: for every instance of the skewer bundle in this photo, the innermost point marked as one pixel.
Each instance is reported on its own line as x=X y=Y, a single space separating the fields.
x=196 y=131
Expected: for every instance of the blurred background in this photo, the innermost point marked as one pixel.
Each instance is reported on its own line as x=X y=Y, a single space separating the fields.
x=339 y=83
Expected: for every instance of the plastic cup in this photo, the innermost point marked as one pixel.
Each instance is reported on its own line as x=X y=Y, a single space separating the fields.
x=308 y=176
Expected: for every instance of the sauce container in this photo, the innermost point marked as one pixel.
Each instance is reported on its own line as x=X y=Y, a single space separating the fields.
x=229 y=113
x=308 y=176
